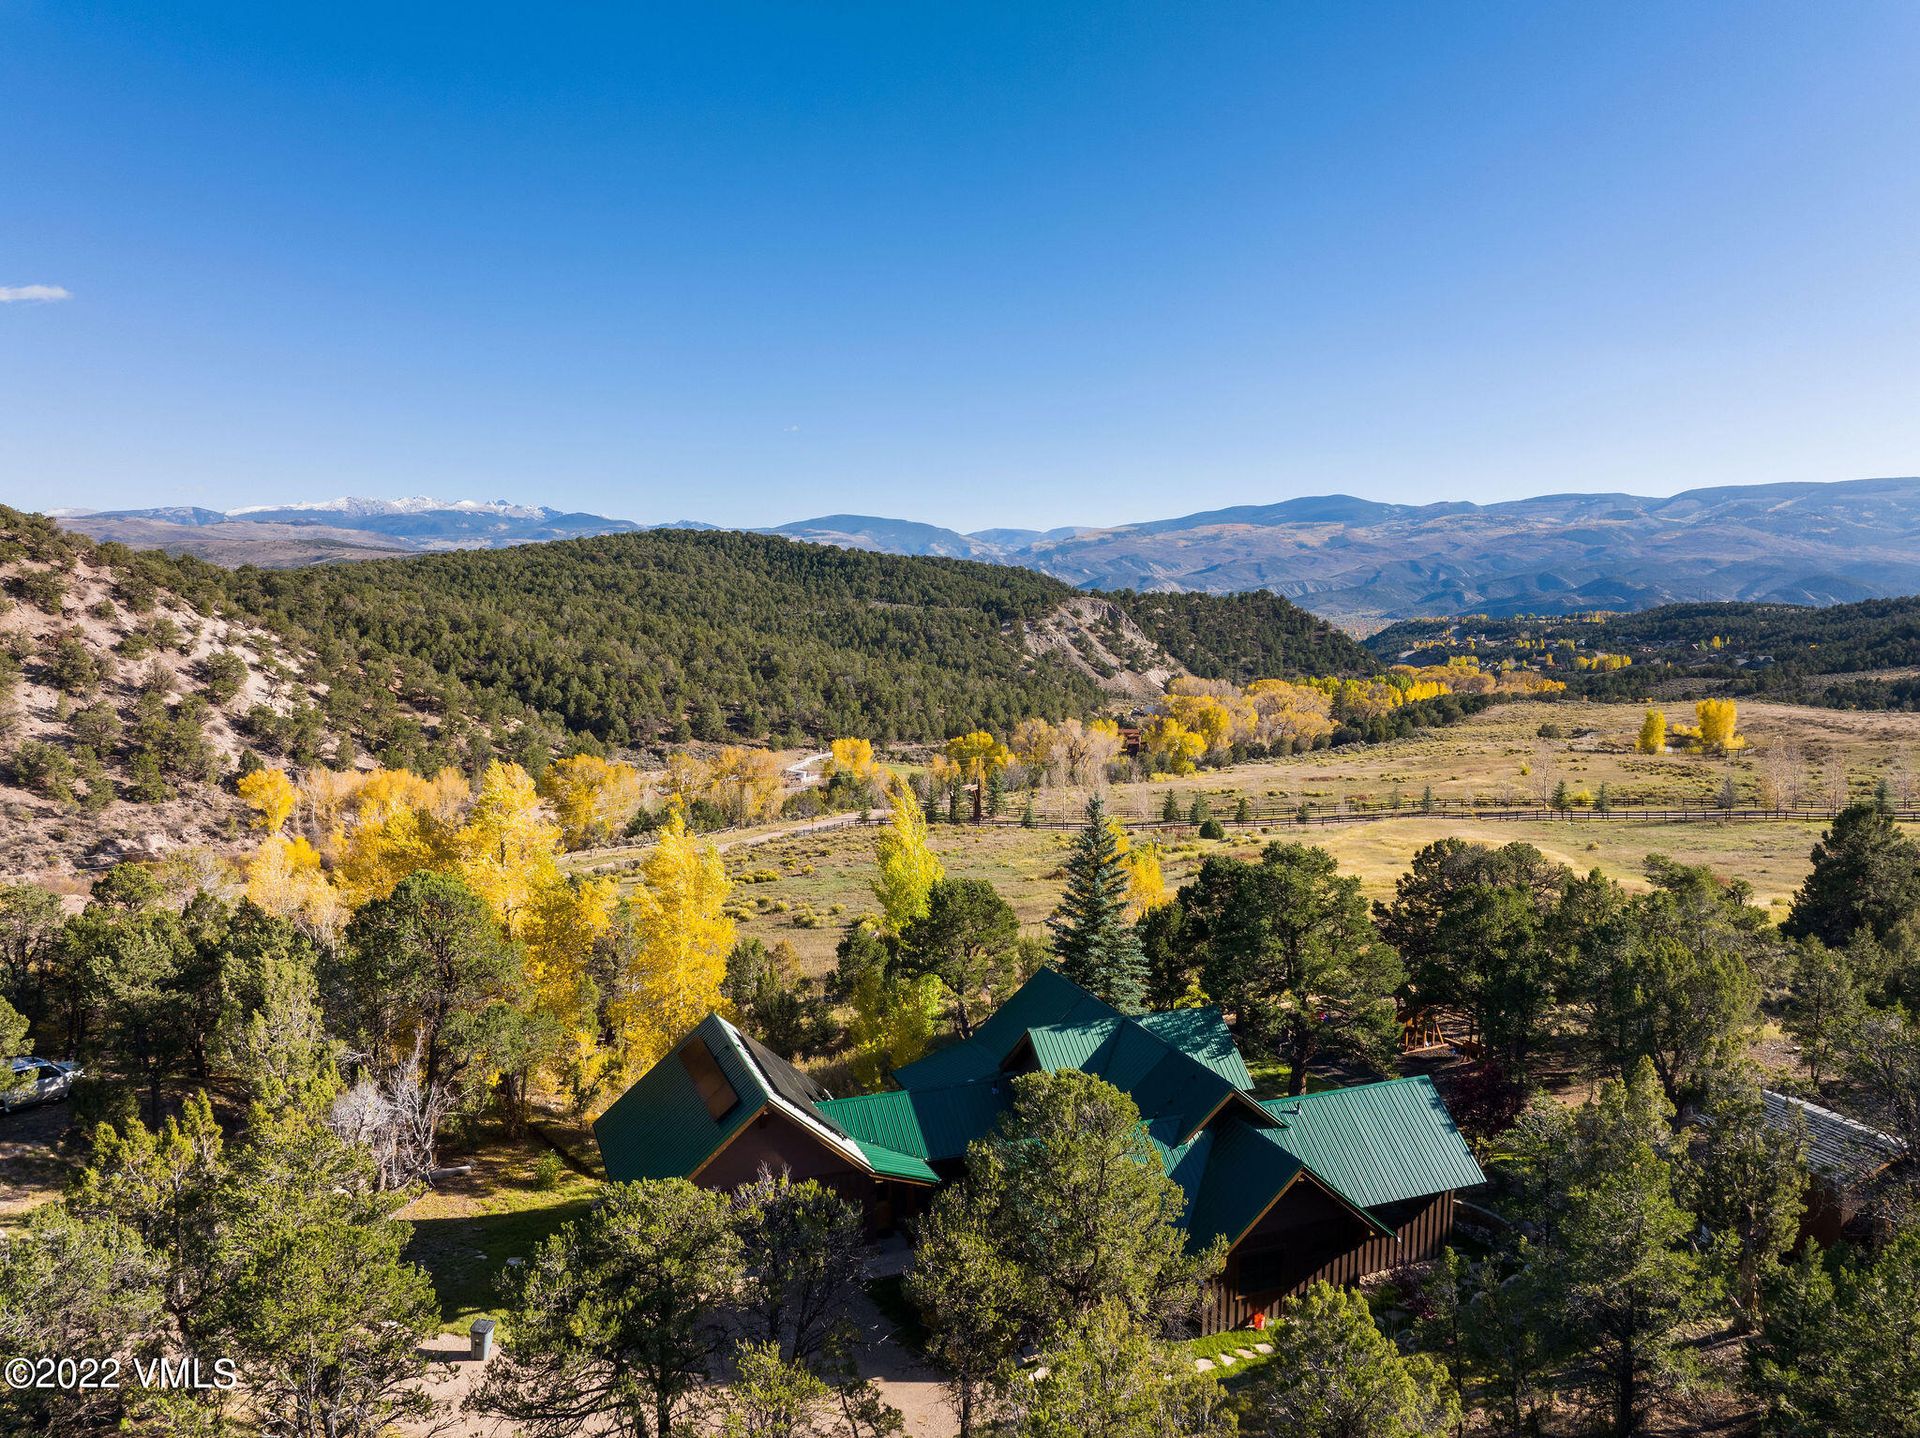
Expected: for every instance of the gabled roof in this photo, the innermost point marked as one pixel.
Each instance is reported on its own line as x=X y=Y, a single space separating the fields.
x=1377 y=1142
x=660 y=1127
x=928 y=1123
x=1232 y=1157
x=665 y=1126
x=1838 y=1147
x=1045 y=999
x=1201 y=1034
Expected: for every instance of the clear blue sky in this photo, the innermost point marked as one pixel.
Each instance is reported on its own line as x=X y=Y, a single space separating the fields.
x=982 y=264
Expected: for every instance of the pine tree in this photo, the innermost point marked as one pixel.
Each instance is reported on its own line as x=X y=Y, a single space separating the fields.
x=1097 y=948
x=1169 y=809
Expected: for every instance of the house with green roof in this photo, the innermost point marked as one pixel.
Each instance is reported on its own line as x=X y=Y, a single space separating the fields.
x=1332 y=1185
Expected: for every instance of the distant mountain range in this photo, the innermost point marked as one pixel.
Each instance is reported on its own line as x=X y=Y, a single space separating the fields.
x=1357 y=561
x=285 y=535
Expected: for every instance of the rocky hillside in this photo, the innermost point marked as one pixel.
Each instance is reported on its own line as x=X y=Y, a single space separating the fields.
x=123 y=708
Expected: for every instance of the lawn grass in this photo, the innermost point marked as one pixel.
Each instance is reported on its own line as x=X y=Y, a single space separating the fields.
x=465 y=1230
x=1212 y=1345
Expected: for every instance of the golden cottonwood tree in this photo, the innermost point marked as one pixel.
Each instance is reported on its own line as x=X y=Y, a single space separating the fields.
x=1653 y=733
x=908 y=868
x=271 y=795
x=284 y=877
x=746 y=783
x=977 y=756
x=1033 y=743
x=506 y=849
x=853 y=757
x=1171 y=745
x=1717 y=718
x=590 y=796
x=668 y=978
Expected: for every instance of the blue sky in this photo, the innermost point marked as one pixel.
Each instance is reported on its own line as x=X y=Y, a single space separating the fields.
x=1013 y=264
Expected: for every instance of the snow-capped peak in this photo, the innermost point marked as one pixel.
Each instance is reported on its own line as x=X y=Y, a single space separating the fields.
x=414 y=504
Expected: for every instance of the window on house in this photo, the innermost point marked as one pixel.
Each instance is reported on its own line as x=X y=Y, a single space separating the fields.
x=704 y=1070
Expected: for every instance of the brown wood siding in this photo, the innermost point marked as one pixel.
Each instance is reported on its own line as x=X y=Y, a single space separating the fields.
x=1310 y=1237
x=776 y=1142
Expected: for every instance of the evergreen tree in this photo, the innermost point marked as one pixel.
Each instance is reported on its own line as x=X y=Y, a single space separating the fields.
x=1626 y=1280
x=1286 y=946
x=1112 y=1377
x=1093 y=942
x=1336 y=1375
x=1824 y=1006
x=1747 y=1183
x=1866 y=875
x=1836 y=1358
x=615 y=1317
x=965 y=940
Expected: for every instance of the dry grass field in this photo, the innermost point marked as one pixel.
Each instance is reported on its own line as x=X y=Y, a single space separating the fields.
x=803 y=889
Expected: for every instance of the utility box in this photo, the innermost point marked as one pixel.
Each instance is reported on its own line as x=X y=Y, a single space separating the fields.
x=482 y=1335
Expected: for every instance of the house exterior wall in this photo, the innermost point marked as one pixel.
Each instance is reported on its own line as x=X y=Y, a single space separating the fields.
x=776 y=1142
x=1308 y=1236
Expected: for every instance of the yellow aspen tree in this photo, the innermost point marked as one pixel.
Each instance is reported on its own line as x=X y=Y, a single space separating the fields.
x=271 y=795
x=383 y=847
x=1171 y=745
x=853 y=757
x=1653 y=733
x=908 y=869
x=671 y=977
x=1716 y=718
x=977 y=756
x=563 y=924
x=892 y=1023
x=386 y=791
x=1102 y=742
x=1146 y=885
x=506 y=850
x=590 y=796
x=284 y=877
x=446 y=795
x=1032 y=743
x=328 y=794
x=685 y=780
x=746 y=783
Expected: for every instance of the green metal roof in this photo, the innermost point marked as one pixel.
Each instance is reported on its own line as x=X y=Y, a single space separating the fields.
x=1046 y=998
x=1201 y=1034
x=889 y=1164
x=1377 y=1142
x=660 y=1128
x=928 y=1123
x=1366 y=1145
x=1070 y=1045
x=1244 y=1174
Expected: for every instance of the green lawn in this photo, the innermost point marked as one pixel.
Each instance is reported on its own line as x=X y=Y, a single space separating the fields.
x=465 y=1231
x=1214 y=1344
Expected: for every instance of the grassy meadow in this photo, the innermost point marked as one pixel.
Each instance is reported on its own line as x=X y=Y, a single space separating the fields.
x=804 y=888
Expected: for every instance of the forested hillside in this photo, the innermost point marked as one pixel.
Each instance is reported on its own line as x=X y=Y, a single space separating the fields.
x=670 y=635
x=1838 y=655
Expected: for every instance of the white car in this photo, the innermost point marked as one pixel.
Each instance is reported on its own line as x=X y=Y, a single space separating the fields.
x=37 y=1081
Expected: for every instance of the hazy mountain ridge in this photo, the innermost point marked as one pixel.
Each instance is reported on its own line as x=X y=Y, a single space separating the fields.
x=288 y=535
x=1356 y=560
